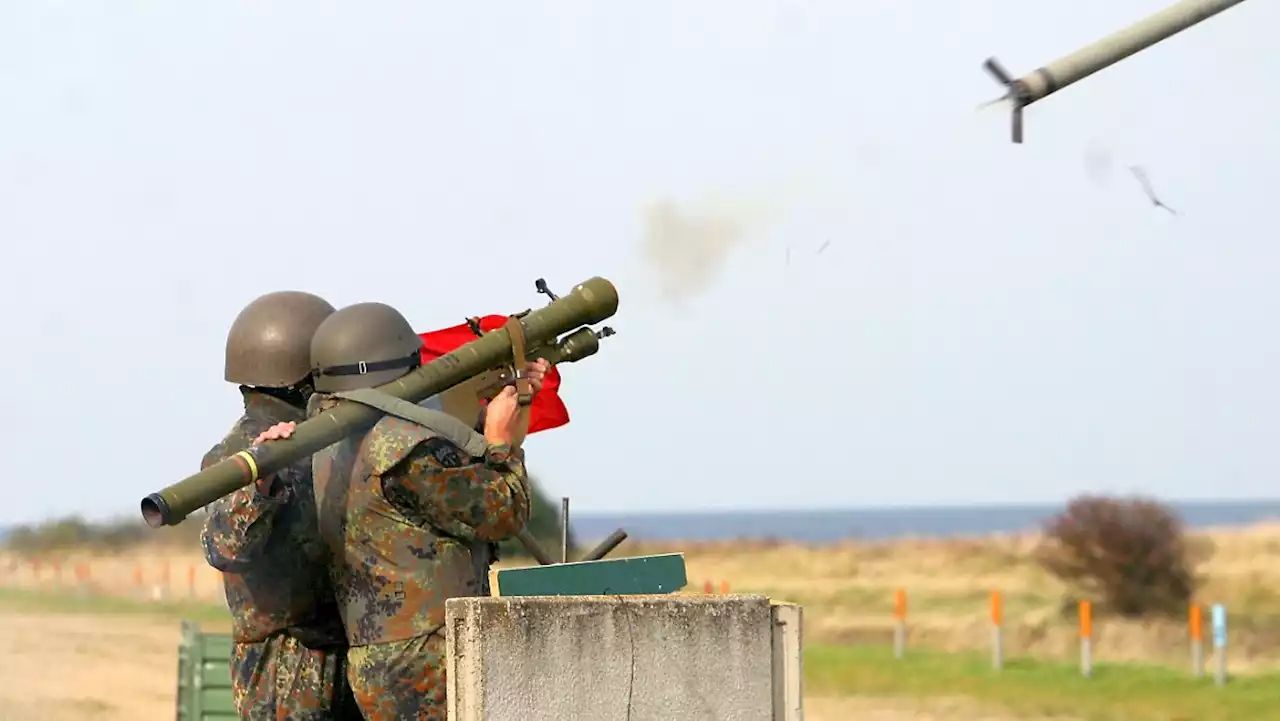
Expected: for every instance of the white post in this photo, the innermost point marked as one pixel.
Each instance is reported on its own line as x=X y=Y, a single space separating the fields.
x=1219 y=615
x=997 y=657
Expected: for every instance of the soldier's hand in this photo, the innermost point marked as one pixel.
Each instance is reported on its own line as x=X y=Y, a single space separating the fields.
x=275 y=433
x=536 y=371
x=500 y=417
x=266 y=486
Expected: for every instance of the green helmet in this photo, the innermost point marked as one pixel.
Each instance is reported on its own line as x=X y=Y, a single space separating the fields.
x=362 y=346
x=269 y=343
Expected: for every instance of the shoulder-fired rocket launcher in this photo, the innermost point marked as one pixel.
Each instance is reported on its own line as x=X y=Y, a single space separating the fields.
x=1100 y=55
x=593 y=301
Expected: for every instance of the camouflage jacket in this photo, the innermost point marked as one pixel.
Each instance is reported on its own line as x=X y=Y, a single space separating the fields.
x=400 y=511
x=268 y=547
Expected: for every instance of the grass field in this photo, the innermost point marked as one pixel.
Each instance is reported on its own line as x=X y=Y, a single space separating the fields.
x=847 y=591
x=1038 y=689
x=840 y=681
x=211 y=617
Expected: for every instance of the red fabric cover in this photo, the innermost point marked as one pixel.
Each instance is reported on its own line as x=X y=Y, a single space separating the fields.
x=547 y=411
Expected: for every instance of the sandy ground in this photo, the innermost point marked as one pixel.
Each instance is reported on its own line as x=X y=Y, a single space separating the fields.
x=77 y=668
x=124 y=668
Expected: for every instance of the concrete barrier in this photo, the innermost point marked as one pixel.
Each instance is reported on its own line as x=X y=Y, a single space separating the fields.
x=629 y=658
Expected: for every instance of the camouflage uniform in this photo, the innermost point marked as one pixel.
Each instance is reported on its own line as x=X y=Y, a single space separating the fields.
x=400 y=510
x=289 y=651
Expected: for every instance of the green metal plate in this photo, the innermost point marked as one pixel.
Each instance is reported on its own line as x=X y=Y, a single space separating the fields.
x=639 y=575
x=215 y=646
x=215 y=674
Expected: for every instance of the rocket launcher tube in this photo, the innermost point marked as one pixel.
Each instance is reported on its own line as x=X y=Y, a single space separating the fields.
x=1104 y=53
x=1118 y=46
x=590 y=302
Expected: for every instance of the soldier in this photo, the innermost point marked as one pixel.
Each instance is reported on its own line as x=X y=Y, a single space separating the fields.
x=289 y=648
x=403 y=506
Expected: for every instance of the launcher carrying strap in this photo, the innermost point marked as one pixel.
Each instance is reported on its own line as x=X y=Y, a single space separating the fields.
x=439 y=422
x=515 y=330
x=524 y=390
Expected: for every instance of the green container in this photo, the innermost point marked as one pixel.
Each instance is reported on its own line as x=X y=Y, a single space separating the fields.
x=204 y=676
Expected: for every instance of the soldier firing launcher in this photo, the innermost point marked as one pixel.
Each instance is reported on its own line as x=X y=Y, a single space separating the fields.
x=1100 y=55
x=537 y=332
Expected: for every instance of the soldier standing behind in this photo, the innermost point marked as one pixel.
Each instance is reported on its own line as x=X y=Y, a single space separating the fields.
x=289 y=648
x=401 y=508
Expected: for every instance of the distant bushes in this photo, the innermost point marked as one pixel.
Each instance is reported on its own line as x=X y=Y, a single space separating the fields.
x=74 y=532
x=1132 y=556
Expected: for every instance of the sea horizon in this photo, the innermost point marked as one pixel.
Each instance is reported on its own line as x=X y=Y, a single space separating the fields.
x=883 y=523
x=879 y=523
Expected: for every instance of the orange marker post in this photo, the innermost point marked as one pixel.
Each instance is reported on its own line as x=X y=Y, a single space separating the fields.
x=900 y=623
x=1086 y=638
x=191 y=581
x=707 y=588
x=997 y=632
x=1195 y=627
x=82 y=578
x=724 y=587
x=165 y=585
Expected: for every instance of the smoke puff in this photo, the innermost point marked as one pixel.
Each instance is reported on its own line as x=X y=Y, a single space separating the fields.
x=689 y=248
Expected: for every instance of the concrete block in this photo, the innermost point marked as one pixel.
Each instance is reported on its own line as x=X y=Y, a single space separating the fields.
x=788 y=662
x=606 y=658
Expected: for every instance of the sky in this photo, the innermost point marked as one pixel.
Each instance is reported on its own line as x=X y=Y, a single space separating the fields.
x=985 y=322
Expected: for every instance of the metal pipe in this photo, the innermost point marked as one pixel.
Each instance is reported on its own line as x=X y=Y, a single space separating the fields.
x=564 y=529
x=531 y=545
x=606 y=546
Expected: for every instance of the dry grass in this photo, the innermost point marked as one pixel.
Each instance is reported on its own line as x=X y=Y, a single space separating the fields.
x=138 y=573
x=847 y=590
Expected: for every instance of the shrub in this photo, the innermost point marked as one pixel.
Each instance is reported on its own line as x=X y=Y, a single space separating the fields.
x=114 y=535
x=1129 y=555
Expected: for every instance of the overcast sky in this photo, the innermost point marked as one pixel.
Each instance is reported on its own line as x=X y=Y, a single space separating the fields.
x=987 y=322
